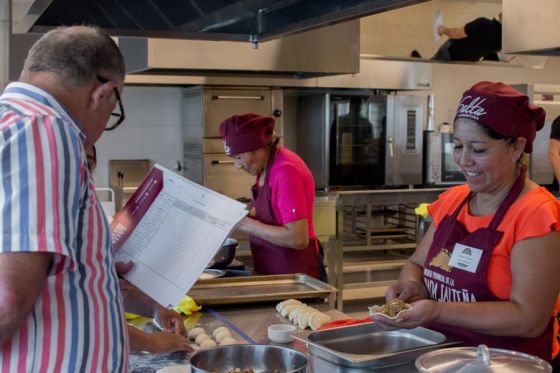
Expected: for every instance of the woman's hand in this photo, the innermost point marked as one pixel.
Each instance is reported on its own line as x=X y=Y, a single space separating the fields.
x=420 y=313
x=169 y=320
x=162 y=342
x=407 y=291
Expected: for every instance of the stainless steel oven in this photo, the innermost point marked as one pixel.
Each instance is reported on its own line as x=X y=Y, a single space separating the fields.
x=440 y=168
x=361 y=138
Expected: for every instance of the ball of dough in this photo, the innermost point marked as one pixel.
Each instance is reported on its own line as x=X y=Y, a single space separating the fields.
x=221 y=335
x=228 y=341
x=201 y=338
x=207 y=344
x=219 y=330
x=193 y=333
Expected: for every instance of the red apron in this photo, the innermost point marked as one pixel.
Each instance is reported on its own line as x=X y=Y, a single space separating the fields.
x=453 y=284
x=269 y=258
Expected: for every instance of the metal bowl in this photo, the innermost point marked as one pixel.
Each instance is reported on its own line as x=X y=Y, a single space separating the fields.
x=224 y=255
x=259 y=358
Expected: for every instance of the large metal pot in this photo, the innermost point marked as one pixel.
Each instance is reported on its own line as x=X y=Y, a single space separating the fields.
x=224 y=255
x=480 y=359
x=259 y=358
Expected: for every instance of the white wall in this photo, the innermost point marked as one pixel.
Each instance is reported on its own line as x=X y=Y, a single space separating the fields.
x=152 y=130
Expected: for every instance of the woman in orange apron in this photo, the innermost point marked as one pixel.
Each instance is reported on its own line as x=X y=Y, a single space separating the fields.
x=487 y=269
x=280 y=222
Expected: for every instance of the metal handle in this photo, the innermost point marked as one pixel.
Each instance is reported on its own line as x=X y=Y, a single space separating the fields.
x=391 y=150
x=215 y=161
x=483 y=355
x=256 y=98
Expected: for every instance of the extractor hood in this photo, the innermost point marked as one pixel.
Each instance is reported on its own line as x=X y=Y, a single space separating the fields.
x=203 y=37
x=329 y=50
x=234 y=20
x=531 y=27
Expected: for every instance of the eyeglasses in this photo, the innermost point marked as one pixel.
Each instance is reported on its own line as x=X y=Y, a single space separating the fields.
x=117 y=116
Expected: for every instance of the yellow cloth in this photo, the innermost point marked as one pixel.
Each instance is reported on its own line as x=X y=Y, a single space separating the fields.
x=130 y=316
x=422 y=210
x=187 y=305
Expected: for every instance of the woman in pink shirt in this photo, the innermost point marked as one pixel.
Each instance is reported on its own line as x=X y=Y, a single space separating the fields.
x=280 y=221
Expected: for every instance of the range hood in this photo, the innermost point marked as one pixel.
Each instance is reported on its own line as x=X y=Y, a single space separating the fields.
x=234 y=20
x=330 y=50
x=202 y=37
x=531 y=29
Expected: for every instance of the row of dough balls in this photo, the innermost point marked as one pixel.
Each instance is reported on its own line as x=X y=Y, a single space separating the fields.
x=222 y=336
x=301 y=314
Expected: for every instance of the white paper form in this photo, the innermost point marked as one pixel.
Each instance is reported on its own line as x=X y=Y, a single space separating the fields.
x=177 y=235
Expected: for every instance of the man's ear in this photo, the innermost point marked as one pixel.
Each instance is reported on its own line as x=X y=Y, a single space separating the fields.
x=98 y=94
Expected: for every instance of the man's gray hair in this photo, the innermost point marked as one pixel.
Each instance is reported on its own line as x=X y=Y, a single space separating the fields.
x=78 y=54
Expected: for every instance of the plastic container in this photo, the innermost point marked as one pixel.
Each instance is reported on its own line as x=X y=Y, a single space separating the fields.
x=280 y=333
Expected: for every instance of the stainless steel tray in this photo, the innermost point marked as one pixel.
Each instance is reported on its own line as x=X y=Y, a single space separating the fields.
x=252 y=289
x=368 y=345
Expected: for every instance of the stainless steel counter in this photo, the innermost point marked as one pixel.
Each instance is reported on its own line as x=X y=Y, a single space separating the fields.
x=250 y=324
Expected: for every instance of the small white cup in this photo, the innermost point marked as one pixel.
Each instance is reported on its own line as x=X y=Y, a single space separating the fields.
x=280 y=333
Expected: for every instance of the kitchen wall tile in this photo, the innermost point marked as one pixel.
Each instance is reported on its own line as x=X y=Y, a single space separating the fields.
x=152 y=130
x=159 y=105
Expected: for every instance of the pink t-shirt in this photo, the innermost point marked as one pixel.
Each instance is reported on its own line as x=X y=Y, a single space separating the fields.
x=292 y=189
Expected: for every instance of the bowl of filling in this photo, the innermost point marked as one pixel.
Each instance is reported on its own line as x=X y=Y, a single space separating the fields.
x=247 y=358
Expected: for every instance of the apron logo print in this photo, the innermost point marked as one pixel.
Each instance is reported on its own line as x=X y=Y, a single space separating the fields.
x=441 y=260
x=466 y=251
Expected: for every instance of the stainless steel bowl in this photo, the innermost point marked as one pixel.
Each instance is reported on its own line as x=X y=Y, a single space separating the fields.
x=224 y=255
x=259 y=358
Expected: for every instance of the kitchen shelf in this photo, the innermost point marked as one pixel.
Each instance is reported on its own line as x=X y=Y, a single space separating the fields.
x=367 y=290
x=376 y=231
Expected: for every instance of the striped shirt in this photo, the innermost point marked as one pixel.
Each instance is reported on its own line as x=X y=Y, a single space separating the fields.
x=48 y=204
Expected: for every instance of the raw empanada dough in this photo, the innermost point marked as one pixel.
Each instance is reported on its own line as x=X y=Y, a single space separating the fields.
x=193 y=333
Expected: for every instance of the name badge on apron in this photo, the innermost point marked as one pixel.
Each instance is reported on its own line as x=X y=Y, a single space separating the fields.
x=465 y=257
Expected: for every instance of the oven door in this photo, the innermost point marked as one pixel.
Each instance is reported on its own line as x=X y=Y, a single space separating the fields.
x=357 y=139
x=440 y=168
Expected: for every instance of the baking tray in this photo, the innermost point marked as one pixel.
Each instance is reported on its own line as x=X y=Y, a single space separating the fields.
x=252 y=289
x=369 y=346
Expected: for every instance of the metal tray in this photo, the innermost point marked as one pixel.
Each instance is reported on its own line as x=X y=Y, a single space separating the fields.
x=252 y=289
x=368 y=345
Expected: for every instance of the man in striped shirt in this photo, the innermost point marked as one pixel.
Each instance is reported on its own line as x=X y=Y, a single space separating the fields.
x=60 y=305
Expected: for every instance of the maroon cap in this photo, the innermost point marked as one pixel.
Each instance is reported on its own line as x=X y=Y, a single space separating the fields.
x=246 y=132
x=504 y=109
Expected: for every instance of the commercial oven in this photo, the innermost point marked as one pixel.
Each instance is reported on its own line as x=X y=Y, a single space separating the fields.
x=361 y=138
